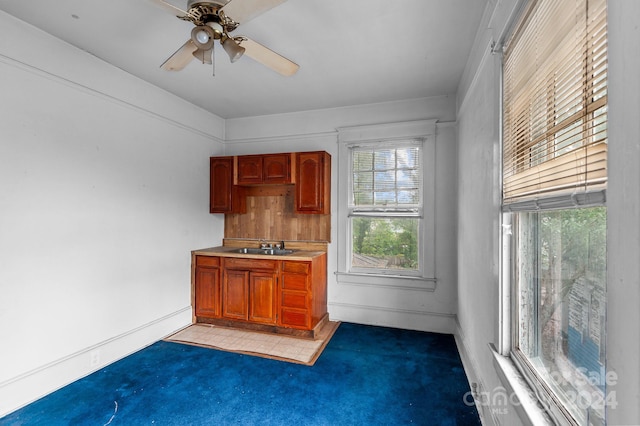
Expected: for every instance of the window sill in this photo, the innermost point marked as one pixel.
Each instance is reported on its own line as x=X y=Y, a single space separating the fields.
x=525 y=401
x=381 y=280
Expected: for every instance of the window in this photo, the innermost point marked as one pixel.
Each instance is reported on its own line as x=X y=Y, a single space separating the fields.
x=385 y=207
x=554 y=183
x=560 y=260
x=386 y=196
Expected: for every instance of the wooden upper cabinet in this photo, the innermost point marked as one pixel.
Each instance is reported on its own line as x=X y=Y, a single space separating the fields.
x=313 y=182
x=309 y=171
x=249 y=169
x=268 y=168
x=221 y=184
x=224 y=196
x=277 y=168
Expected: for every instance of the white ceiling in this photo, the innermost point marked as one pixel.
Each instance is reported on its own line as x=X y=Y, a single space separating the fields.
x=350 y=52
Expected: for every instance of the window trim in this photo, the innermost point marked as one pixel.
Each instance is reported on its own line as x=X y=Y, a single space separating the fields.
x=388 y=133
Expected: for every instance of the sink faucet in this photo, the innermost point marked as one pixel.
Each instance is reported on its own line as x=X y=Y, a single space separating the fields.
x=264 y=244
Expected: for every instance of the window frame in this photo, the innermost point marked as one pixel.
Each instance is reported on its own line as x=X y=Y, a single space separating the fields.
x=546 y=396
x=394 y=212
x=388 y=134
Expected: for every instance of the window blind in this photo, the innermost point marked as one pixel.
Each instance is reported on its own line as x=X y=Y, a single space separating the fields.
x=386 y=179
x=555 y=101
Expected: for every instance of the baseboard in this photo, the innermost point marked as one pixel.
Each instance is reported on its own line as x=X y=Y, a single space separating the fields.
x=391 y=317
x=471 y=369
x=32 y=385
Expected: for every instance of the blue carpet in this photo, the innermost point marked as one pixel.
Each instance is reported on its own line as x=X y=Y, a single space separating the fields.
x=365 y=376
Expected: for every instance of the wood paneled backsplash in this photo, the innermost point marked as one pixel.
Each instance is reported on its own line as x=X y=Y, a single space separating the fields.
x=270 y=215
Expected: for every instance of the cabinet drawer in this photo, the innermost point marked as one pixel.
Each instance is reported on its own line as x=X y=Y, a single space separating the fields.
x=294 y=282
x=239 y=263
x=296 y=267
x=294 y=300
x=207 y=261
x=295 y=317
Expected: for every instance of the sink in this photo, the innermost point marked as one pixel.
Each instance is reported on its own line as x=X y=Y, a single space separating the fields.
x=267 y=251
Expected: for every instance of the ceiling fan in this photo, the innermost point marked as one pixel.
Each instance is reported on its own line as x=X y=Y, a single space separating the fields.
x=215 y=20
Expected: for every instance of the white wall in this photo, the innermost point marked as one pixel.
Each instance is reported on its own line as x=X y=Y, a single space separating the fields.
x=104 y=189
x=103 y=193
x=623 y=211
x=478 y=214
x=316 y=130
x=478 y=206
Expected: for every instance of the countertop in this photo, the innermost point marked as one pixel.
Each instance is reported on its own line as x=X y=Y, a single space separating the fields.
x=226 y=251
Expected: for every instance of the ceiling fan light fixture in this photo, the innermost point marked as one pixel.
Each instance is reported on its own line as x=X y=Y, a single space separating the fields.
x=233 y=49
x=204 y=56
x=214 y=20
x=203 y=37
x=217 y=28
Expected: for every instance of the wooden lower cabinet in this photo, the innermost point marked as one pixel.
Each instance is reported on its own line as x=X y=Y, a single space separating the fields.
x=249 y=290
x=207 y=287
x=235 y=290
x=262 y=297
x=280 y=294
x=303 y=292
x=295 y=294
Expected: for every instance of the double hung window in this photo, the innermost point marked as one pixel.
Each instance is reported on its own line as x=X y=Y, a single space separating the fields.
x=554 y=183
x=386 y=204
x=385 y=208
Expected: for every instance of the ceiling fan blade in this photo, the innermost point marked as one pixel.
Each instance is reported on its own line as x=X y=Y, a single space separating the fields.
x=242 y=11
x=169 y=8
x=180 y=58
x=268 y=57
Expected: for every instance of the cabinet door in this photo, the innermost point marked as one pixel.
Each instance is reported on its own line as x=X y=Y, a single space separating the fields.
x=224 y=196
x=313 y=174
x=207 y=287
x=234 y=294
x=221 y=184
x=277 y=168
x=262 y=297
x=249 y=169
x=207 y=298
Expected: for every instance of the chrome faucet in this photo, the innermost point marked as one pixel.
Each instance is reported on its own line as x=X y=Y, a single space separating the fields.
x=265 y=245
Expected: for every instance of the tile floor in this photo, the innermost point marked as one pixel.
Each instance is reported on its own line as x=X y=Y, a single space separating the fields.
x=277 y=346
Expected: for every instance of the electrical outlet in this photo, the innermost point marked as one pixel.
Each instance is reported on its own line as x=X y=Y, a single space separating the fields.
x=94 y=358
